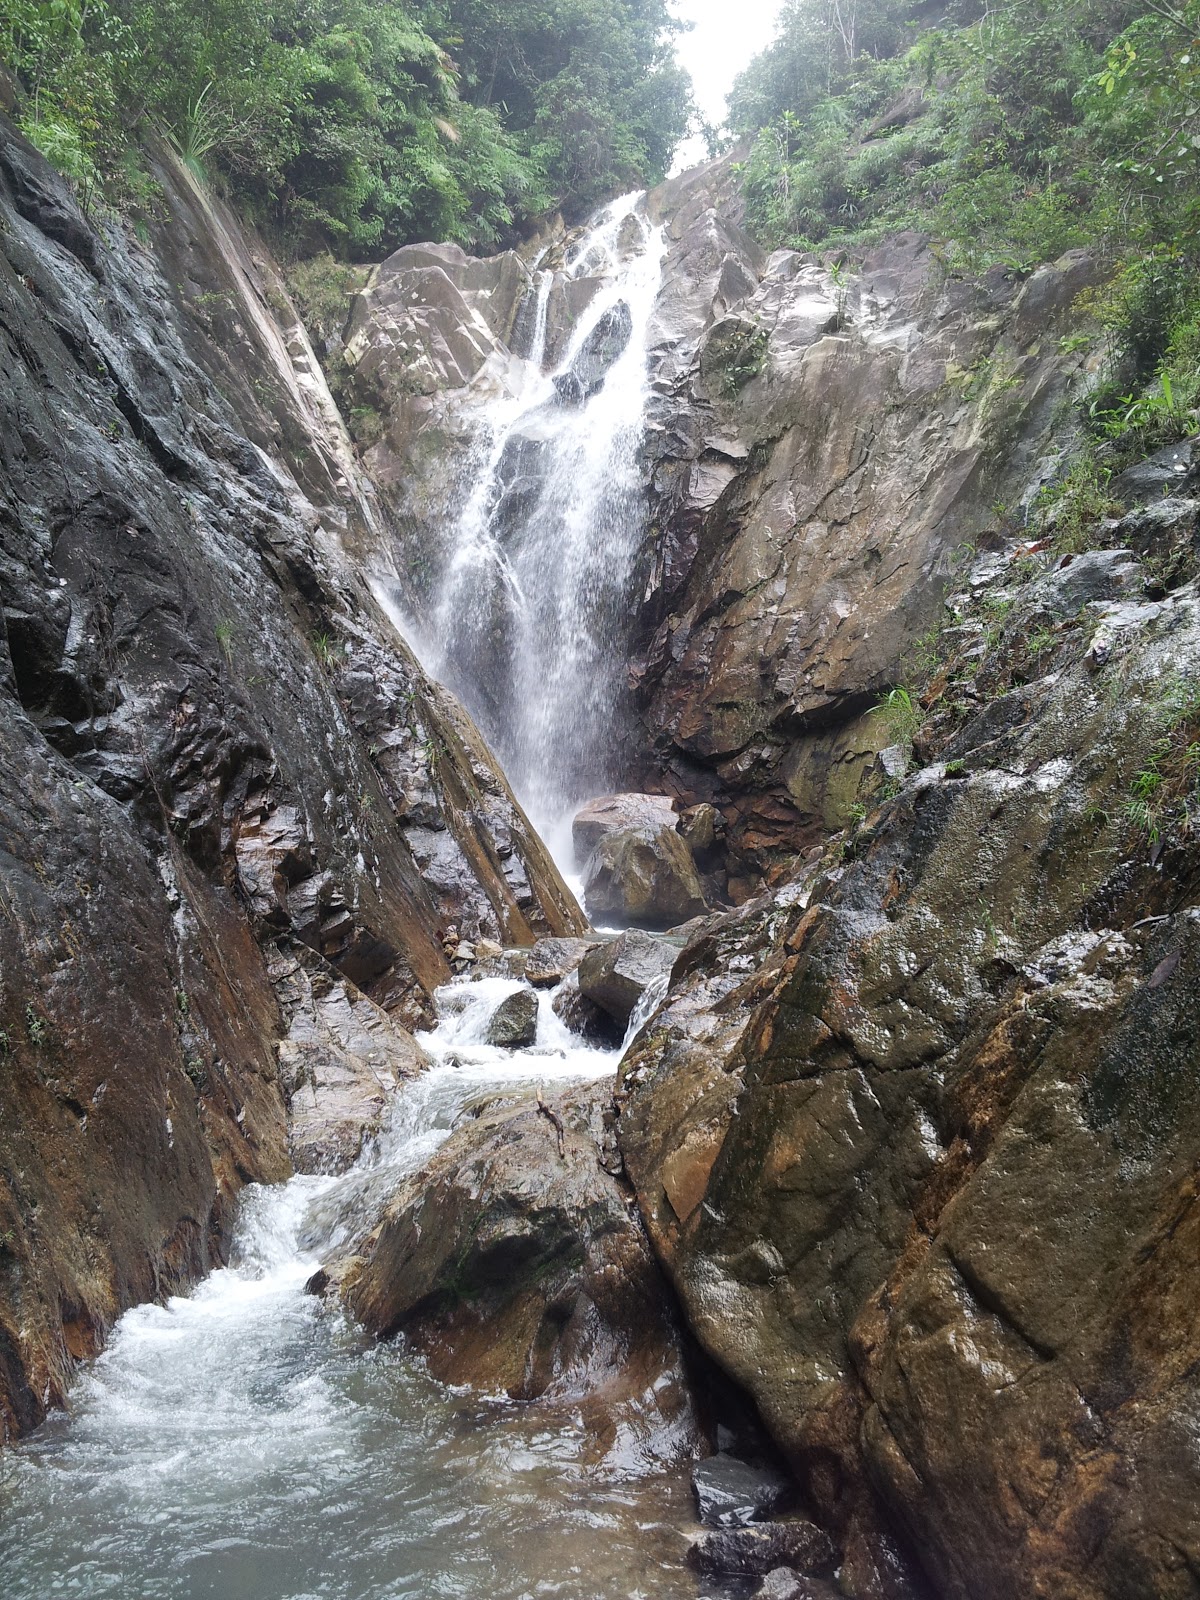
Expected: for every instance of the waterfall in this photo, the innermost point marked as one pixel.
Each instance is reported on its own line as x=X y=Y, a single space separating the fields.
x=532 y=606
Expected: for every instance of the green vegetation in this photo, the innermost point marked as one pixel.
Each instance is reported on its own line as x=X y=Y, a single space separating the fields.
x=1164 y=796
x=351 y=126
x=1010 y=132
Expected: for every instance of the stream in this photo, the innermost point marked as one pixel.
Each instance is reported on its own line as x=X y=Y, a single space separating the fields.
x=246 y=1442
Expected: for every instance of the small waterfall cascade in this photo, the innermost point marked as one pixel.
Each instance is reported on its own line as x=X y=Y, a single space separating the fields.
x=530 y=614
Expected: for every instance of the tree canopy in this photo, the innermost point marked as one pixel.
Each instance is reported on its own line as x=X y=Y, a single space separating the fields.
x=360 y=125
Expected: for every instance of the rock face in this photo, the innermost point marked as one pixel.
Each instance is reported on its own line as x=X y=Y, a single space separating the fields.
x=340 y=1061
x=215 y=743
x=914 y=1138
x=513 y=1267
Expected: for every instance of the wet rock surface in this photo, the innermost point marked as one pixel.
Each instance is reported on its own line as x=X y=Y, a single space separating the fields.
x=615 y=975
x=731 y=1492
x=341 y=1061
x=642 y=878
x=786 y=1584
x=217 y=744
x=515 y=1268
x=754 y=1551
x=513 y=1024
x=908 y=1134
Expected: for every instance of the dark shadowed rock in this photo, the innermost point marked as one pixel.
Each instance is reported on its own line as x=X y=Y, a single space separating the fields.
x=615 y=975
x=513 y=1024
x=754 y=1551
x=730 y=1492
x=602 y=347
x=584 y=1016
x=512 y=1267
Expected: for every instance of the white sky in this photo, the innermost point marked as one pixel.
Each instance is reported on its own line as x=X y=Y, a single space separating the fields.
x=726 y=34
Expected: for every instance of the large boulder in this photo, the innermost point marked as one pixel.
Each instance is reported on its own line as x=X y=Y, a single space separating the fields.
x=513 y=1261
x=600 y=350
x=642 y=879
x=550 y=960
x=617 y=813
x=513 y=1024
x=614 y=976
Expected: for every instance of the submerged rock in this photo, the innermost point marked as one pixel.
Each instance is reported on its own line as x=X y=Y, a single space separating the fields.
x=513 y=1024
x=513 y=1267
x=615 y=975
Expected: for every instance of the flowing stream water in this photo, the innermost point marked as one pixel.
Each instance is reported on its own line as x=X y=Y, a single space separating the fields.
x=245 y=1442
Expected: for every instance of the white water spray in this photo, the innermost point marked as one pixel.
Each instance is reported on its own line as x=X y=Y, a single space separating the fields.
x=531 y=617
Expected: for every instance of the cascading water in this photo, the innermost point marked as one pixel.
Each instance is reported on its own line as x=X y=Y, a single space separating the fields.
x=242 y=1442
x=531 y=615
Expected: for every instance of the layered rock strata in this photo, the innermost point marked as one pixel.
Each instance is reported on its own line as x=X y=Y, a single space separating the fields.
x=214 y=742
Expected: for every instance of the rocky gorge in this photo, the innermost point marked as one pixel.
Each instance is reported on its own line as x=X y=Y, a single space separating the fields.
x=901 y=1149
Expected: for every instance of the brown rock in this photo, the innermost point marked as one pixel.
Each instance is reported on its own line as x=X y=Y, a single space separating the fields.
x=942 y=1239
x=512 y=1267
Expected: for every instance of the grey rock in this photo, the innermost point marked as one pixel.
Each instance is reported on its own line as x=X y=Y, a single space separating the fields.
x=513 y=1024
x=603 y=346
x=730 y=1492
x=584 y=1016
x=550 y=960
x=784 y=1583
x=1168 y=471
x=1080 y=580
x=642 y=879
x=618 y=813
x=615 y=975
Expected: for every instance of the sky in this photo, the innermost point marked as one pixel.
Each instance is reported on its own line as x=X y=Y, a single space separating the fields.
x=725 y=36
